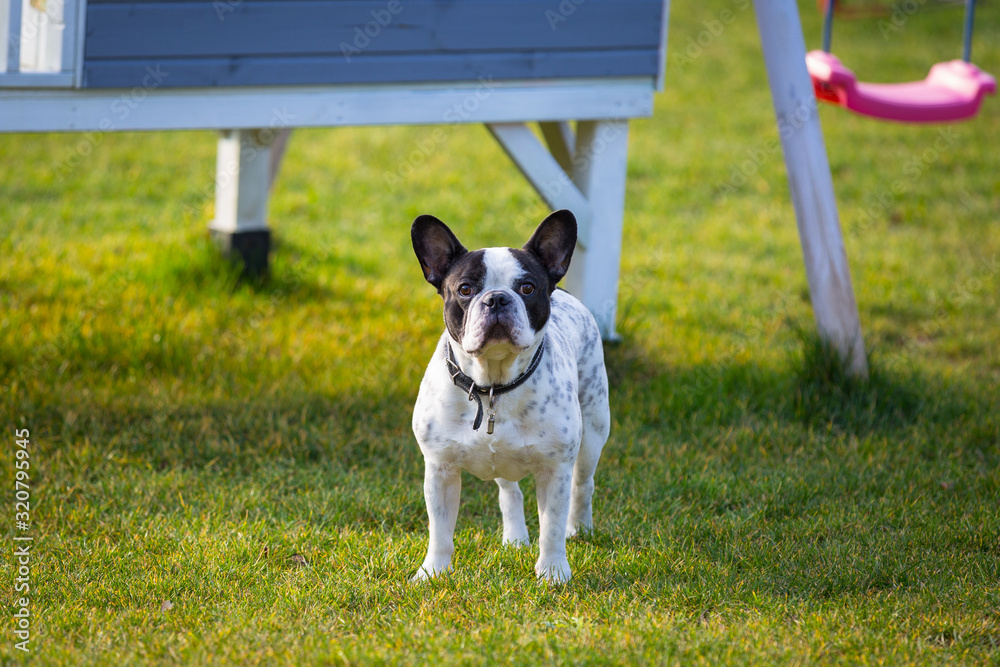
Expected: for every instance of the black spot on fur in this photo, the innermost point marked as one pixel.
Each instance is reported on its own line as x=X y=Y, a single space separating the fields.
x=538 y=303
x=469 y=269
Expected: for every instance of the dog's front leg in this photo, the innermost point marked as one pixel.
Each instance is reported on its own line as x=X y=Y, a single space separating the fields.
x=442 y=490
x=553 y=488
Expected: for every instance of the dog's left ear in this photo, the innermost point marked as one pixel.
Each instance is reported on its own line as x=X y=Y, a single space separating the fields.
x=436 y=247
x=553 y=243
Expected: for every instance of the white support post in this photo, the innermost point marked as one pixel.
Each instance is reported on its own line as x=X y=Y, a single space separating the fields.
x=242 y=180
x=810 y=181
x=600 y=164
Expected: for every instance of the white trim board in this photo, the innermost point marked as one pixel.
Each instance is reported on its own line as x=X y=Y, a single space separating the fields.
x=34 y=80
x=148 y=108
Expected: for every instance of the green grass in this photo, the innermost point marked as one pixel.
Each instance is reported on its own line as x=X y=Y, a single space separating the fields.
x=191 y=434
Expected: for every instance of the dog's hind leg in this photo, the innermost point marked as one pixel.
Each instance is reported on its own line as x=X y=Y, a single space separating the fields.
x=596 y=426
x=581 y=512
x=515 y=531
x=595 y=415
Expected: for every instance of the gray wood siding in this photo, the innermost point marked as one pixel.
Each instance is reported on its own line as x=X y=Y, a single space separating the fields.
x=300 y=42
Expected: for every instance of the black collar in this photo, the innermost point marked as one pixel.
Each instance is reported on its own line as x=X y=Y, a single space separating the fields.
x=475 y=391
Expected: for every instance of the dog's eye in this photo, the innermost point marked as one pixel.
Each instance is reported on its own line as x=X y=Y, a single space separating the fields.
x=527 y=289
x=465 y=289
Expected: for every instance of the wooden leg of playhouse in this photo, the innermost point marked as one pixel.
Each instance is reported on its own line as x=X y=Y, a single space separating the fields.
x=810 y=181
x=599 y=171
x=594 y=190
x=243 y=175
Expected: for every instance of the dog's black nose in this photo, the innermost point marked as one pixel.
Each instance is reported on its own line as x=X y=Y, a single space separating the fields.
x=496 y=300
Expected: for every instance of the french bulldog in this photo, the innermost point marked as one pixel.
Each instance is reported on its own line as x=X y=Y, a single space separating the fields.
x=516 y=386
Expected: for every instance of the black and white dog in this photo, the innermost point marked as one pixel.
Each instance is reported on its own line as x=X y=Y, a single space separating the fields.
x=516 y=386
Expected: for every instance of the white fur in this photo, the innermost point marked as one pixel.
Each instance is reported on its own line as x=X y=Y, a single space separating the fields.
x=502 y=269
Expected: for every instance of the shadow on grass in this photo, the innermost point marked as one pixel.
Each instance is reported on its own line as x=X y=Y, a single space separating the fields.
x=718 y=483
x=292 y=273
x=357 y=431
x=812 y=389
x=196 y=268
x=362 y=425
x=801 y=482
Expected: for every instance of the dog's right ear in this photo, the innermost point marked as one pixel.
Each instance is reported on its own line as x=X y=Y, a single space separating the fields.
x=436 y=247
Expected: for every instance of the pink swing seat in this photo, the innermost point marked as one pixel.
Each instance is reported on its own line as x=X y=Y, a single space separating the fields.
x=952 y=91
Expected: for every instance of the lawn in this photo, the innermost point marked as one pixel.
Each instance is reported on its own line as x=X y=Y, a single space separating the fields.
x=223 y=472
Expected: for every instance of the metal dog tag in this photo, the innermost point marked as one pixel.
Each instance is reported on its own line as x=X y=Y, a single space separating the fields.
x=493 y=413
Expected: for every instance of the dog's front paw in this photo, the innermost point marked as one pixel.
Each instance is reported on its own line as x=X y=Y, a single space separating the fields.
x=517 y=541
x=553 y=570
x=430 y=570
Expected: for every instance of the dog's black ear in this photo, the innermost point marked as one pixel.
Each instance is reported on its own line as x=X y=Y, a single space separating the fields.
x=553 y=243
x=436 y=246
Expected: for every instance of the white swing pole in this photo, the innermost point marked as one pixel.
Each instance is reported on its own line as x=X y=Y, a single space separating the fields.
x=810 y=181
